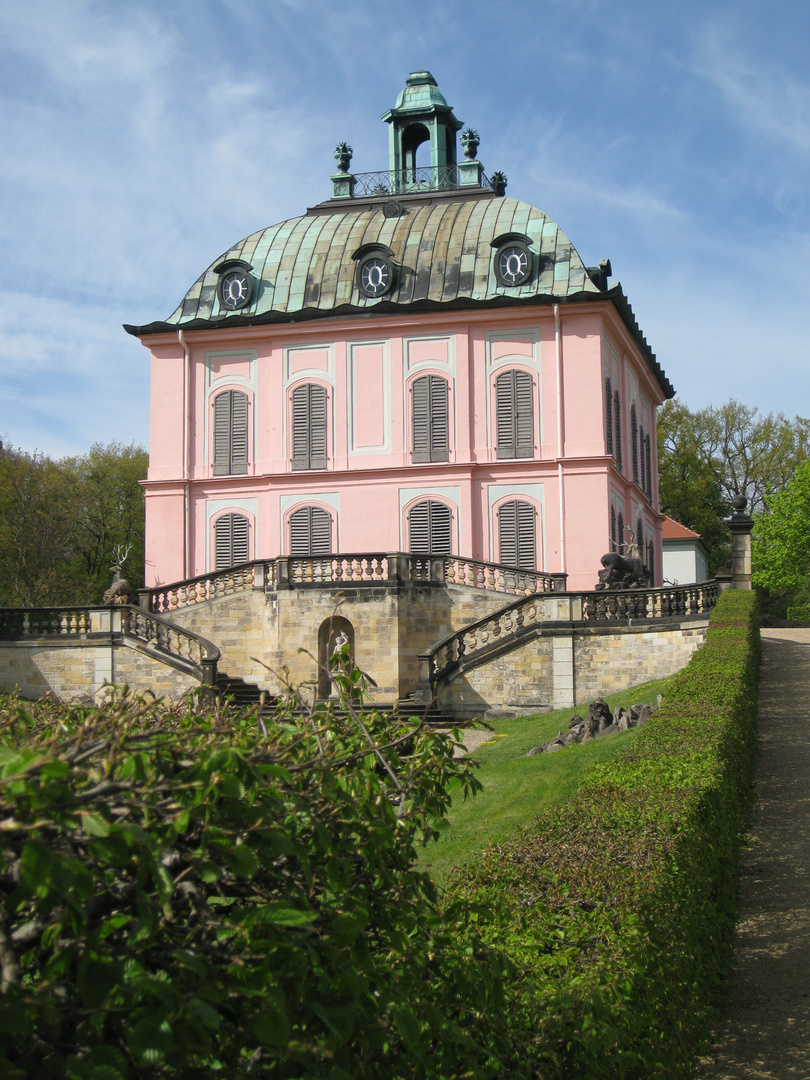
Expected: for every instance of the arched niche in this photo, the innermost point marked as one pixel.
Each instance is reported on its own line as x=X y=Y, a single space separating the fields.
x=330 y=637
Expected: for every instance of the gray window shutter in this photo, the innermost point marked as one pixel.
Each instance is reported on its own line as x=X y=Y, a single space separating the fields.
x=420 y=413
x=620 y=530
x=612 y=528
x=231 y=541
x=608 y=416
x=430 y=528
x=514 y=415
x=309 y=427
x=640 y=537
x=648 y=453
x=310 y=532
x=517 y=535
x=634 y=440
x=431 y=441
x=617 y=422
x=230 y=433
x=651 y=556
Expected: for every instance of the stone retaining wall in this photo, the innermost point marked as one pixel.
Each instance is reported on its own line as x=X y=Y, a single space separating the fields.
x=259 y=634
x=561 y=668
x=80 y=668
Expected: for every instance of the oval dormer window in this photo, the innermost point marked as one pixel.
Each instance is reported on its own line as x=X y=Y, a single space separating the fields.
x=235 y=285
x=512 y=260
x=376 y=270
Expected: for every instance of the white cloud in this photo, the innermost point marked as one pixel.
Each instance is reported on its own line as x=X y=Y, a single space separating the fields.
x=762 y=96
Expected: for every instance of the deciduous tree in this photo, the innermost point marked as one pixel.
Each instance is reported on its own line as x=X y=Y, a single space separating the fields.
x=781 y=550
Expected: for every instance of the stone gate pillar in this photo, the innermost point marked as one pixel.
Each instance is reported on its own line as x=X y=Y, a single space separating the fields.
x=741 y=526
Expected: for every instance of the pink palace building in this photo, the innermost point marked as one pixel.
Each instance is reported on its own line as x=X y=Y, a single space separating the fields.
x=418 y=364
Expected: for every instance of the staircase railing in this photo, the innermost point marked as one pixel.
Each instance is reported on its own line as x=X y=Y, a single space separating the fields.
x=207 y=587
x=160 y=635
x=169 y=642
x=473 y=643
x=365 y=568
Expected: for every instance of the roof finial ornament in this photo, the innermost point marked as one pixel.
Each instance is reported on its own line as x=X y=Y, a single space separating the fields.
x=498 y=183
x=343 y=156
x=470 y=141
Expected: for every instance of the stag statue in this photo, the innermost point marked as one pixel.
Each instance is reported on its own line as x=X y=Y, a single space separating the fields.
x=120 y=591
x=624 y=571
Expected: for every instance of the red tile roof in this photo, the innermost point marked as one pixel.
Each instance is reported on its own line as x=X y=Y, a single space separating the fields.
x=673 y=530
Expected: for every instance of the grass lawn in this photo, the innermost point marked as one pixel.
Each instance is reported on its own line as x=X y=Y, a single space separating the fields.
x=517 y=788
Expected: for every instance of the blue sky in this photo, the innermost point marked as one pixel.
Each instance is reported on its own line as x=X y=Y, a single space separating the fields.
x=139 y=140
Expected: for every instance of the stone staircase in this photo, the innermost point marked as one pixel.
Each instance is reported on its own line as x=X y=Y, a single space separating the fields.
x=243 y=694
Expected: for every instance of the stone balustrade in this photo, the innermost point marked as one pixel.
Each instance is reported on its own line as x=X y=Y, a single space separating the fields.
x=375 y=568
x=207 y=587
x=16 y=623
x=478 y=640
x=176 y=642
x=173 y=644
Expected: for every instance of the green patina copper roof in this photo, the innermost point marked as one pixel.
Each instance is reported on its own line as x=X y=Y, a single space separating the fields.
x=443 y=252
x=420 y=93
x=303 y=268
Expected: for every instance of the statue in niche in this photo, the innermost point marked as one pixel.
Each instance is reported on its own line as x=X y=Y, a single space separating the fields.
x=334 y=634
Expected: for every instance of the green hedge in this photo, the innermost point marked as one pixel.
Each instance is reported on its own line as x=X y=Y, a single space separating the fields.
x=618 y=908
x=194 y=894
x=185 y=894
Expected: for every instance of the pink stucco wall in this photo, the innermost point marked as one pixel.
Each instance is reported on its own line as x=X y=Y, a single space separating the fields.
x=367 y=367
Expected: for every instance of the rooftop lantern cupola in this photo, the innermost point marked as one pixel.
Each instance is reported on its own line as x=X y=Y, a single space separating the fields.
x=421 y=115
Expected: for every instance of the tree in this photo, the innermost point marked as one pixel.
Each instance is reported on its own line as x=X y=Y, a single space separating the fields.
x=688 y=484
x=110 y=511
x=37 y=529
x=60 y=522
x=709 y=456
x=781 y=548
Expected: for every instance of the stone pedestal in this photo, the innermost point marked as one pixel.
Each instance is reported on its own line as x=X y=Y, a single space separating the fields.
x=741 y=526
x=342 y=186
x=469 y=173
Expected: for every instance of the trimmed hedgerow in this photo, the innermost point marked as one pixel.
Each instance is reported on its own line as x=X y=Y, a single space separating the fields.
x=186 y=893
x=617 y=909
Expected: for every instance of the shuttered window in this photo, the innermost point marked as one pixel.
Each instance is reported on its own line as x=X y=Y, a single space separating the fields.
x=634 y=440
x=431 y=440
x=230 y=433
x=310 y=532
x=517 y=535
x=309 y=427
x=430 y=528
x=231 y=541
x=640 y=538
x=651 y=558
x=642 y=470
x=617 y=424
x=612 y=528
x=648 y=455
x=620 y=528
x=514 y=415
x=608 y=416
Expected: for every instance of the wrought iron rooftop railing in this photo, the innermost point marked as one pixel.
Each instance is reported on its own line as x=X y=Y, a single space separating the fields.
x=391 y=183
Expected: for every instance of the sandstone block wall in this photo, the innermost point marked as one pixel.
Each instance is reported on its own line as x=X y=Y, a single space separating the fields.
x=607 y=662
x=259 y=634
x=561 y=669
x=80 y=668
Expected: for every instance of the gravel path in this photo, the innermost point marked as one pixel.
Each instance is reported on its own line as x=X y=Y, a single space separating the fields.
x=764 y=1033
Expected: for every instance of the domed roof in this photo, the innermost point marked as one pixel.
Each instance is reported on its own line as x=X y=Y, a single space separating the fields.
x=421 y=91
x=442 y=252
